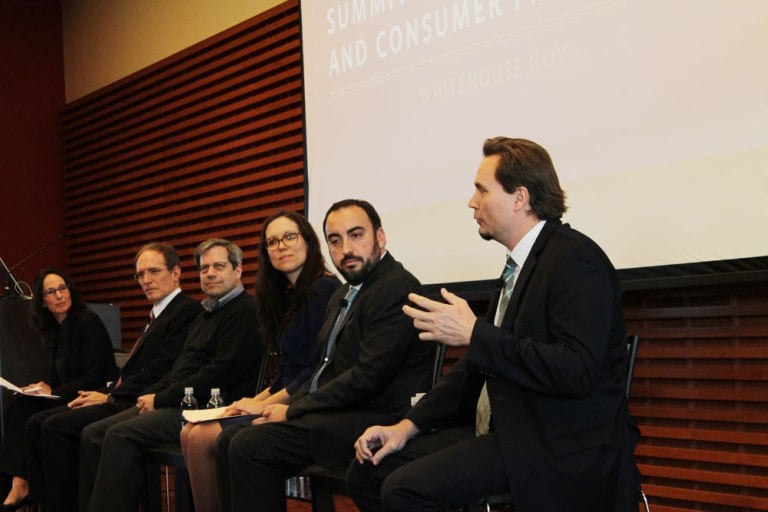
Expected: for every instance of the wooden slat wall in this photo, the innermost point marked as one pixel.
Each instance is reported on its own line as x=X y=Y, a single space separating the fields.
x=700 y=395
x=206 y=143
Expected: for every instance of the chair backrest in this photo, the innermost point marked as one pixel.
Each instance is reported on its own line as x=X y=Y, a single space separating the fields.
x=262 y=371
x=437 y=369
x=632 y=341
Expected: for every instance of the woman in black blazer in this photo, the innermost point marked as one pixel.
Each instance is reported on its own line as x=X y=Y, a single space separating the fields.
x=79 y=357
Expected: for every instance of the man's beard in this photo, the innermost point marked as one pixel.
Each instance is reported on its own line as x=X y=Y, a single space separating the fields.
x=355 y=277
x=484 y=235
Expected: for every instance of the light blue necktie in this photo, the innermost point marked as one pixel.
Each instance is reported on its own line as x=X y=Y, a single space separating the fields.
x=346 y=303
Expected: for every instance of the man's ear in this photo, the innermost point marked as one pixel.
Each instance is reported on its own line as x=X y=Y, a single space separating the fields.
x=381 y=237
x=522 y=198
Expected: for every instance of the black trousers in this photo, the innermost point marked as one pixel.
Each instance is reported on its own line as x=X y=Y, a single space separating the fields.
x=252 y=463
x=53 y=468
x=436 y=471
x=112 y=463
x=16 y=445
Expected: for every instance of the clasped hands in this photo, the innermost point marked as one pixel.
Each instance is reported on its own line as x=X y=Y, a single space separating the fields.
x=450 y=322
x=377 y=442
x=86 y=398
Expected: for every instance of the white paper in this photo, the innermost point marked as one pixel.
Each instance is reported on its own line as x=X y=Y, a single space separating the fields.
x=8 y=385
x=203 y=415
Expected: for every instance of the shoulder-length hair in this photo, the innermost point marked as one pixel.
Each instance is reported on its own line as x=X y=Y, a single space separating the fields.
x=39 y=316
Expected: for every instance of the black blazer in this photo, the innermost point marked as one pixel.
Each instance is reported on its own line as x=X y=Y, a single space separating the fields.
x=83 y=344
x=377 y=365
x=157 y=348
x=555 y=371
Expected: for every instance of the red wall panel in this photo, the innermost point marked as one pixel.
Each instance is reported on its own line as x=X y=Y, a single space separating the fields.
x=31 y=101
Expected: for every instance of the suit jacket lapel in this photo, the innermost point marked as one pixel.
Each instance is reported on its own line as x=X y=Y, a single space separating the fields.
x=141 y=339
x=526 y=272
x=151 y=326
x=333 y=313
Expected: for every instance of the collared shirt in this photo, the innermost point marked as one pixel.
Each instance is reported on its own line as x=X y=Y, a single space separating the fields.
x=210 y=304
x=521 y=251
x=523 y=248
x=158 y=308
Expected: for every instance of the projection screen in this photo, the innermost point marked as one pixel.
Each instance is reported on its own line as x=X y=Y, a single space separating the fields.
x=655 y=113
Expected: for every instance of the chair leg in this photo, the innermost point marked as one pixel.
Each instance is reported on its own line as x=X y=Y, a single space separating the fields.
x=182 y=491
x=167 y=489
x=322 y=499
x=153 y=494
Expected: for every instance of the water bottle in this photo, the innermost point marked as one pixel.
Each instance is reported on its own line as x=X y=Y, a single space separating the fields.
x=188 y=402
x=216 y=400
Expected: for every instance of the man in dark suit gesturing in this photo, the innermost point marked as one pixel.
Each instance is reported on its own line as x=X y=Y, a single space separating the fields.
x=158 y=272
x=372 y=363
x=537 y=407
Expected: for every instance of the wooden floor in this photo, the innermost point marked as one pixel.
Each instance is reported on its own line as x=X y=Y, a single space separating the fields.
x=343 y=504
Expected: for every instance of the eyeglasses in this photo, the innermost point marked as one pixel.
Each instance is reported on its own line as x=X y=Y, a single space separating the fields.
x=289 y=239
x=151 y=271
x=61 y=289
x=219 y=266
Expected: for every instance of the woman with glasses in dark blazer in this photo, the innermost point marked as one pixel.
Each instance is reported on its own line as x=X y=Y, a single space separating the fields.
x=80 y=356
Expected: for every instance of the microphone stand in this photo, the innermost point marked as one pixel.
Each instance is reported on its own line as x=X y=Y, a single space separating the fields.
x=12 y=288
x=44 y=246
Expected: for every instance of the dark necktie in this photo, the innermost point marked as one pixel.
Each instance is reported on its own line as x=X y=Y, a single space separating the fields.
x=508 y=277
x=136 y=346
x=483 y=413
x=346 y=302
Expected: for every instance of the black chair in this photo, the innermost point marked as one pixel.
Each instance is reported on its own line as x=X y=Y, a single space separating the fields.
x=324 y=483
x=170 y=456
x=160 y=459
x=504 y=501
x=632 y=343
